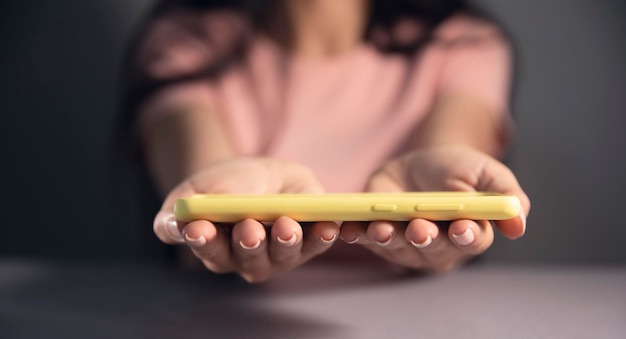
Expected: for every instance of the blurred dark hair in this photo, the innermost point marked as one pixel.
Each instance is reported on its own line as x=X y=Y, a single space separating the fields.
x=383 y=13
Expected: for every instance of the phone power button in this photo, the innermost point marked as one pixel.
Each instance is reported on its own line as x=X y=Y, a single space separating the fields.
x=384 y=207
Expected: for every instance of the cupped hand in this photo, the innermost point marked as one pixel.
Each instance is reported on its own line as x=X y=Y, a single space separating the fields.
x=251 y=249
x=425 y=245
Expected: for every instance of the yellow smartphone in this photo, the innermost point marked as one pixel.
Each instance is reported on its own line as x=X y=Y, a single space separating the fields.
x=436 y=206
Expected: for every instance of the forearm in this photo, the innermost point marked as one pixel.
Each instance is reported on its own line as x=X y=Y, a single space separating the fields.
x=181 y=142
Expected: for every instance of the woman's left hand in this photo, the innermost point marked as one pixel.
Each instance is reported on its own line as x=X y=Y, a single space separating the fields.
x=425 y=245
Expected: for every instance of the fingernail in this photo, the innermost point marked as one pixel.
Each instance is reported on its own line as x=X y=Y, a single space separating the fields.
x=465 y=238
x=386 y=242
x=172 y=228
x=522 y=215
x=328 y=241
x=287 y=242
x=246 y=247
x=428 y=241
x=195 y=242
x=353 y=241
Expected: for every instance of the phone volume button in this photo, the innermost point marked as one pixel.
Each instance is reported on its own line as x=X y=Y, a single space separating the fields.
x=384 y=207
x=439 y=207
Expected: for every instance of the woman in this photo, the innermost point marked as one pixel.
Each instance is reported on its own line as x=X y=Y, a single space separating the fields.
x=322 y=96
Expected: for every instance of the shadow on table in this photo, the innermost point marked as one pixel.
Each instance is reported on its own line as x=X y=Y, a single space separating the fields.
x=119 y=301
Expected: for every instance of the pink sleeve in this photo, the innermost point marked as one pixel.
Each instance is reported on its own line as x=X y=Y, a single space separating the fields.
x=480 y=69
x=478 y=63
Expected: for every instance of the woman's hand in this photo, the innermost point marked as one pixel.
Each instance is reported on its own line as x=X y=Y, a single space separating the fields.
x=248 y=248
x=422 y=244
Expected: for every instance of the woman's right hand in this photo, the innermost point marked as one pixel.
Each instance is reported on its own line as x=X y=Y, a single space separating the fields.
x=248 y=248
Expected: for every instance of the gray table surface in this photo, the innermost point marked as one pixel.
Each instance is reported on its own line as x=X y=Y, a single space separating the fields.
x=54 y=300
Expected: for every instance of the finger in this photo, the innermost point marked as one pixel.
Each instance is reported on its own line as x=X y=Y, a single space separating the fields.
x=440 y=253
x=513 y=228
x=420 y=233
x=496 y=177
x=318 y=238
x=471 y=237
x=285 y=243
x=353 y=232
x=165 y=225
x=249 y=248
x=387 y=240
x=167 y=228
x=211 y=244
x=384 y=234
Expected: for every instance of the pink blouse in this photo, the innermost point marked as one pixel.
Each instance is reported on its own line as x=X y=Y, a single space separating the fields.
x=341 y=116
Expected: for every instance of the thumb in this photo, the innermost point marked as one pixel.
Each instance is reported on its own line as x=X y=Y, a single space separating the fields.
x=165 y=225
x=496 y=177
x=390 y=178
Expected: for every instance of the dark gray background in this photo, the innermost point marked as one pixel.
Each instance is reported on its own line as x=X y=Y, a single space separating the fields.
x=59 y=67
